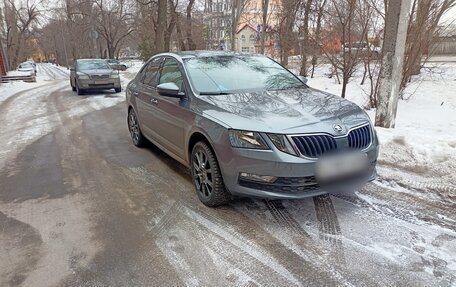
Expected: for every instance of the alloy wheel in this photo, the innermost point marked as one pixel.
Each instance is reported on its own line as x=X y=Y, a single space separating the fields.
x=203 y=173
x=134 y=128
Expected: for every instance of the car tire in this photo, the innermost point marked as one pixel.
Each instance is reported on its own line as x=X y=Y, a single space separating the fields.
x=118 y=90
x=78 y=90
x=206 y=176
x=135 y=131
x=123 y=68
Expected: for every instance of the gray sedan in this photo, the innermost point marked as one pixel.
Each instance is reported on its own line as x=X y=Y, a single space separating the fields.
x=93 y=74
x=246 y=126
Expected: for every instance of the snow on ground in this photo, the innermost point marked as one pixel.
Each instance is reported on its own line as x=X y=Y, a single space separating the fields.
x=31 y=107
x=424 y=140
x=133 y=68
x=19 y=73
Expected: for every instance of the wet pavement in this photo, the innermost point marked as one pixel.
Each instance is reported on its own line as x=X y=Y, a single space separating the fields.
x=81 y=206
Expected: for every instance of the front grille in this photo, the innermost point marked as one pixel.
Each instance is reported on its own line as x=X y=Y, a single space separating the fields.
x=359 y=138
x=284 y=184
x=99 y=77
x=315 y=145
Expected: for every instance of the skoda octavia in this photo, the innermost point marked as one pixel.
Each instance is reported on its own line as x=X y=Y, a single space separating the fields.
x=246 y=126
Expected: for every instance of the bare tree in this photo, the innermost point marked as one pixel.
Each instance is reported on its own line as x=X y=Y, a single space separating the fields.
x=424 y=20
x=19 y=16
x=305 y=43
x=319 y=8
x=351 y=28
x=286 y=28
x=114 y=23
x=237 y=8
x=264 y=23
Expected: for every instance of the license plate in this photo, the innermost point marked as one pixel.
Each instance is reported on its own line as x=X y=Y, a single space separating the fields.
x=338 y=167
x=100 y=82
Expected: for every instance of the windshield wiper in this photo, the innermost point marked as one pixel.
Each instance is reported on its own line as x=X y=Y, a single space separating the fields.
x=213 y=93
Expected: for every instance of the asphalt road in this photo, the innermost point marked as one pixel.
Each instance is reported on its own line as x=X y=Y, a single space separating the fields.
x=81 y=206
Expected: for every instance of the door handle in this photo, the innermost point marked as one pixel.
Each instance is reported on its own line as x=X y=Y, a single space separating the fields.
x=154 y=101
x=135 y=94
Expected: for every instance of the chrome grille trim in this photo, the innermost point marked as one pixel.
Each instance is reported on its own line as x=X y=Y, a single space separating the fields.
x=360 y=138
x=313 y=145
x=99 y=77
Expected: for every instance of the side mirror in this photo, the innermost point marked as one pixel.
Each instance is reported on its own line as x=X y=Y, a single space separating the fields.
x=303 y=79
x=169 y=90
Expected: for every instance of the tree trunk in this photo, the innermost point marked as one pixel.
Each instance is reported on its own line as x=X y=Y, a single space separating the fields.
x=393 y=56
x=265 y=8
x=316 y=46
x=305 y=42
x=180 y=38
x=161 y=26
x=190 y=42
x=234 y=5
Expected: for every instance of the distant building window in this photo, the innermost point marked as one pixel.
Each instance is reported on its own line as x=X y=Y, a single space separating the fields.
x=252 y=38
x=243 y=39
x=245 y=49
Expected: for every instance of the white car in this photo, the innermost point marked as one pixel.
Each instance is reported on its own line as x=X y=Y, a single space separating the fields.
x=27 y=67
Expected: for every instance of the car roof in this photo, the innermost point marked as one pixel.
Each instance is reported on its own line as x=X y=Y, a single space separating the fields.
x=205 y=53
x=89 y=60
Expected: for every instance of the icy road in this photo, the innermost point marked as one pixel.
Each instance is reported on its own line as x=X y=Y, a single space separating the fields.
x=81 y=206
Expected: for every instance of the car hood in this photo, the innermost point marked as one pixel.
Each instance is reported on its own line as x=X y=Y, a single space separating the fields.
x=287 y=111
x=97 y=72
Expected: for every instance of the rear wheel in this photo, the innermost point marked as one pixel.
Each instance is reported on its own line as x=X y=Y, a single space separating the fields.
x=206 y=176
x=135 y=132
x=118 y=90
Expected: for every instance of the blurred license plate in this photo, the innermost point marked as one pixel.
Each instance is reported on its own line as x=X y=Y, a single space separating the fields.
x=101 y=82
x=340 y=166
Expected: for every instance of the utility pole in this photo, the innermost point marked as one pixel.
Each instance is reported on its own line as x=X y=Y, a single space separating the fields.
x=396 y=22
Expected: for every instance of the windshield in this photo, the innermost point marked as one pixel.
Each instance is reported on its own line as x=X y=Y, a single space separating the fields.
x=93 y=65
x=235 y=73
x=25 y=66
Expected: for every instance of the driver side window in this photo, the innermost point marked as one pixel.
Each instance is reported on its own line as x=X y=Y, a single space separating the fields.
x=150 y=73
x=171 y=74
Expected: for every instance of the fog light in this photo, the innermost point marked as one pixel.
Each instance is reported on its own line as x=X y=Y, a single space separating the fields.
x=256 y=177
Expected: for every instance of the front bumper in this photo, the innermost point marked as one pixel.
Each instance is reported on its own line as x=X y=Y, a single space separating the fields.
x=295 y=175
x=104 y=84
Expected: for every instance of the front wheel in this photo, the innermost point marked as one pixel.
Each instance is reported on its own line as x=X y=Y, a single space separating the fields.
x=79 y=91
x=206 y=176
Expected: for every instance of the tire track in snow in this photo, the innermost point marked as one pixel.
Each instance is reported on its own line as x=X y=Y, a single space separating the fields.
x=305 y=247
x=431 y=186
x=53 y=73
x=328 y=225
x=238 y=250
x=284 y=218
x=396 y=210
x=24 y=117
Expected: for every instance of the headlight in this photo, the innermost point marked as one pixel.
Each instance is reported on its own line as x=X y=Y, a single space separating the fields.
x=83 y=76
x=282 y=143
x=114 y=76
x=247 y=139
